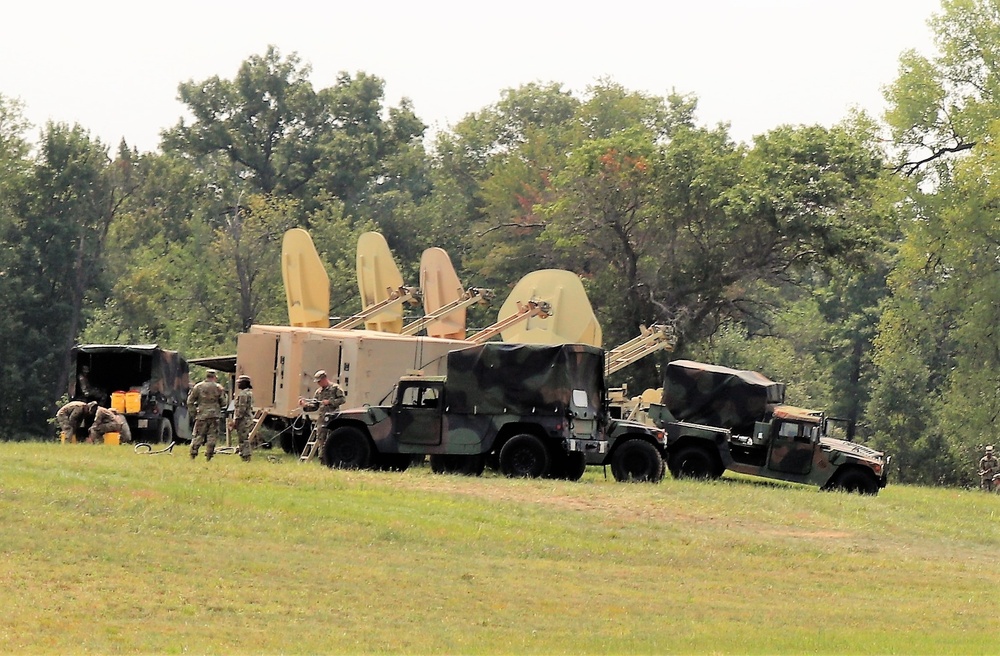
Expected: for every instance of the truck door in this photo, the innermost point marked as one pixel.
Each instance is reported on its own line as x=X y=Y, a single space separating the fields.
x=417 y=415
x=792 y=447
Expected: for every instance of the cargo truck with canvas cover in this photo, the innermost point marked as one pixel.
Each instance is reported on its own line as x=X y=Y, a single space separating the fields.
x=147 y=384
x=719 y=418
x=538 y=410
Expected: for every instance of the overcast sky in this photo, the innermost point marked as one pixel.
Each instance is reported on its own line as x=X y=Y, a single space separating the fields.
x=114 y=67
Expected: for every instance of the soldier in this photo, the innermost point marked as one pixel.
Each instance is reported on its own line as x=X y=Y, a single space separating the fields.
x=87 y=391
x=329 y=396
x=107 y=420
x=989 y=466
x=208 y=399
x=71 y=416
x=242 y=420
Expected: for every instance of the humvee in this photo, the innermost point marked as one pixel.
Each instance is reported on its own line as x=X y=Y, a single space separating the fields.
x=534 y=410
x=717 y=418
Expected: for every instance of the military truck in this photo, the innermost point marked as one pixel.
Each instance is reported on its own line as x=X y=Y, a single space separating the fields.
x=717 y=418
x=148 y=384
x=536 y=410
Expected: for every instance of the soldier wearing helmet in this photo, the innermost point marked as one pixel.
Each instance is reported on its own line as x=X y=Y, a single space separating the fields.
x=208 y=400
x=242 y=420
x=989 y=467
x=329 y=396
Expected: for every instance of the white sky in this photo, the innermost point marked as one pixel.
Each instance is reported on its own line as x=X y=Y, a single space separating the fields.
x=114 y=66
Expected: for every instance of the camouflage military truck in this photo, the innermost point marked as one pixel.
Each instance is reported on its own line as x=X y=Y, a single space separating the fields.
x=149 y=385
x=718 y=418
x=537 y=411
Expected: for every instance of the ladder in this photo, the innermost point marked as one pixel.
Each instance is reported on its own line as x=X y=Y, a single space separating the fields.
x=311 y=444
x=258 y=421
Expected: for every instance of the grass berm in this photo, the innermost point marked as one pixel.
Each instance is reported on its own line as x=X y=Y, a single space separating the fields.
x=106 y=551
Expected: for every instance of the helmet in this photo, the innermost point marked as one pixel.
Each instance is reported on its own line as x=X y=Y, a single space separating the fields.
x=243 y=377
x=319 y=375
x=211 y=373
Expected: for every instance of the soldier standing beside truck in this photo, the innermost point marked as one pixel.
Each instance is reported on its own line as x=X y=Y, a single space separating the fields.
x=208 y=399
x=242 y=420
x=329 y=396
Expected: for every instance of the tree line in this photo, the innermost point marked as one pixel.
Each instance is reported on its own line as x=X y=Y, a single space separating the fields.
x=859 y=263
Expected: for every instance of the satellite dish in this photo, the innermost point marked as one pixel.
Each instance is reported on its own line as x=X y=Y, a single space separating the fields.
x=572 y=319
x=307 y=285
x=440 y=286
x=378 y=278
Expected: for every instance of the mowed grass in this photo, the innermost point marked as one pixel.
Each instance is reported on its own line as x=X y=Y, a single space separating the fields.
x=106 y=551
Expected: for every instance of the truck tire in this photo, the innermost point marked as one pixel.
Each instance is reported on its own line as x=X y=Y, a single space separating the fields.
x=638 y=461
x=854 y=480
x=693 y=462
x=166 y=430
x=458 y=464
x=524 y=456
x=348 y=448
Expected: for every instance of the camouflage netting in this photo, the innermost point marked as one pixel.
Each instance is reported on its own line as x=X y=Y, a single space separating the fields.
x=719 y=396
x=497 y=378
x=122 y=367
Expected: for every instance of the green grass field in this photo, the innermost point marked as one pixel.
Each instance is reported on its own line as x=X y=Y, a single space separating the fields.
x=106 y=551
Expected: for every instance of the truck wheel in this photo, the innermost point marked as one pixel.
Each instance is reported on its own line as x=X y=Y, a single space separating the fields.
x=458 y=464
x=693 y=462
x=856 y=481
x=348 y=448
x=524 y=456
x=637 y=461
x=166 y=430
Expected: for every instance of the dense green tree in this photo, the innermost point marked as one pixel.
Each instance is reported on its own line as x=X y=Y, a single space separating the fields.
x=936 y=401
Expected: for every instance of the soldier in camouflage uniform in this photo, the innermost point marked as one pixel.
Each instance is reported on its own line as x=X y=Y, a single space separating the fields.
x=989 y=466
x=71 y=416
x=107 y=420
x=329 y=397
x=208 y=399
x=242 y=421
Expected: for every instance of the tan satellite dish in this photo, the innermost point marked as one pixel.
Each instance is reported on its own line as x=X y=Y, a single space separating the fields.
x=572 y=319
x=307 y=285
x=378 y=279
x=440 y=286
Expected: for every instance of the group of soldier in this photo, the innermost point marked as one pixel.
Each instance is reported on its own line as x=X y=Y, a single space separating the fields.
x=207 y=401
x=79 y=414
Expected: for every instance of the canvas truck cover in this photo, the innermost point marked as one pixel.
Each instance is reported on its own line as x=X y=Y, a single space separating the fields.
x=526 y=379
x=719 y=396
x=166 y=371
